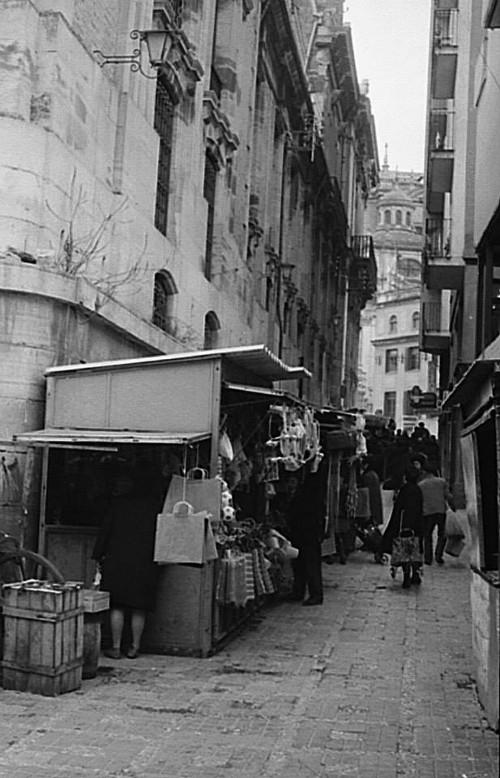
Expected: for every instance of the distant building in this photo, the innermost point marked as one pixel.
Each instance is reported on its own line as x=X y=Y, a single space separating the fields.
x=391 y=364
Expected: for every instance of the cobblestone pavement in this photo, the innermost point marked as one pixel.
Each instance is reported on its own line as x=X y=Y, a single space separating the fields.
x=375 y=683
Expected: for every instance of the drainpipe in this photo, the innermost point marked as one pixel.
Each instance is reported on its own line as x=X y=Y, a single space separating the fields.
x=343 y=364
x=280 y=250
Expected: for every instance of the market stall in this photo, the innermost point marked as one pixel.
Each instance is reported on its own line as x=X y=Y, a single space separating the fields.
x=213 y=413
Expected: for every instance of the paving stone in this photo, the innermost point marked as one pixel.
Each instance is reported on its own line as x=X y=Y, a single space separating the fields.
x=377 y=683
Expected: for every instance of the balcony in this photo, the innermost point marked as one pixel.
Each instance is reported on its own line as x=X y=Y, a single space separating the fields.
x=441 y=131
x=445 y=32
x=363 y=271
x=441 y=150
x=445 y=42
x=434 y=338
x=440 y=271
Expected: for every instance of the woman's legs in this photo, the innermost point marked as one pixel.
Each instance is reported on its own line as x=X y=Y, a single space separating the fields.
x=116 y=619
x=415 y=577
x=137 y=622
x=406 y=575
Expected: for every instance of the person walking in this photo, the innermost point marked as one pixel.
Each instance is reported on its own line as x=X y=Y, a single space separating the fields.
x=407 y=515
x=371 y=481
x=436 y=497
x=306 y=512
x=124 y=550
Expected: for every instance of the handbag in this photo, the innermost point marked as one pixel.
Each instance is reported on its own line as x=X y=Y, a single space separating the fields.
x=454 y=545
x=405 y=547
x=452 y=528
x=204 y=494
x=184 y=537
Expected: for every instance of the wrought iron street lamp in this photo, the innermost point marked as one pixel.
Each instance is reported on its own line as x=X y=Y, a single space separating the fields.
x=157 y=44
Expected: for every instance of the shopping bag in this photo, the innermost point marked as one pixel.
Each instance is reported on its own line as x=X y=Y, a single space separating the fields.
x=203 y=493
x=405 y=549
x=452 y=527
x=454 y=545
x=184 y=537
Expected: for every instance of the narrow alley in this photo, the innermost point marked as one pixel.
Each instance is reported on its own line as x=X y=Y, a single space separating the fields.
x=375 y=683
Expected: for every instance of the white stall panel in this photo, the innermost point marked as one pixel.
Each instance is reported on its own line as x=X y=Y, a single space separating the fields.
x=78 y=400
x=178 y=398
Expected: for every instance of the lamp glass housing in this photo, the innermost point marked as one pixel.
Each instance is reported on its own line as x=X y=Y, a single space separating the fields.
x=158 y=43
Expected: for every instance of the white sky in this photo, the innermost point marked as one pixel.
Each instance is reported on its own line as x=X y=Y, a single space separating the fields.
x=391 y=43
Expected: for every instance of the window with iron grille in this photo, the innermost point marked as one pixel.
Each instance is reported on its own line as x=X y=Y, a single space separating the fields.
x=163 y=298
x=163 y=124
x=212 y=326
x=391 y=360
x=209 y=186
x=390 y=404
x=412 y=358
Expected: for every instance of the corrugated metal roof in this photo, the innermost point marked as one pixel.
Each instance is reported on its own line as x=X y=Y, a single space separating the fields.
x=256 y=359
x=71 y=435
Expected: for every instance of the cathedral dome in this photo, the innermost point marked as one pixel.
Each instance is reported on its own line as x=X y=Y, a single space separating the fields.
x=396 y=196
x=399 y=237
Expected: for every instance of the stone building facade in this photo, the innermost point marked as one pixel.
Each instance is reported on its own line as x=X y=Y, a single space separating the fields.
x=461 y=296
x=201 y=206
x=391 y=364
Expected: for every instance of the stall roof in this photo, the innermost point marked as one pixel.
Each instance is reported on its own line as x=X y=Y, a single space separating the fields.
x=65 y=436
x=475 y=375
x=256 y=359
x=262 y=393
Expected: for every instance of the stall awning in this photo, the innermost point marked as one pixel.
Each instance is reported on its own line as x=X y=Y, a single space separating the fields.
x=477 y=373
x=67 y=436
x=255 y=359
x=260 y=393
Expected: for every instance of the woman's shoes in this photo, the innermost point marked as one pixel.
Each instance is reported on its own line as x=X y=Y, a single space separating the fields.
x=415 y=579
x=313 y=601
x=113 y=653
x=132 y=653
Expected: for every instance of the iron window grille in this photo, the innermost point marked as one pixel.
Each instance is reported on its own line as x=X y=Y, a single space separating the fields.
x=209 y=187
x=163 y=124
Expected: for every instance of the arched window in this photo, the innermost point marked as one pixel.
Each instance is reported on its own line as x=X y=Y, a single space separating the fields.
x=212 y=327
x=399 y=217
x=415 y=320
x=393 y=324
x=163 y=300
x=387 y=216
x=408 y=219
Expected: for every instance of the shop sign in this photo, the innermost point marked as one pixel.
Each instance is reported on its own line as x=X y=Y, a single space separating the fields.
x=423 y=400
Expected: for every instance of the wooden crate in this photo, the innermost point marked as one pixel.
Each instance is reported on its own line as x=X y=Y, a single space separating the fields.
x=43 y=637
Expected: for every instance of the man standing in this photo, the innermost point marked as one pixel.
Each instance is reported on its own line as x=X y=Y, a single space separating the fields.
x=436 y=495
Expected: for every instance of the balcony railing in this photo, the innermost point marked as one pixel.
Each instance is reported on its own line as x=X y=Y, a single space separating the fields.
x=362 y=246
x=363 y=275
x=437 y=238
x=442 y=130
x=446 y=27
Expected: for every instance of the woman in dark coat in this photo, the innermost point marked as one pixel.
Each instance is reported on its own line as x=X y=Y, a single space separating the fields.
x=124 y=549
x=370 y=480
x=406 y=514
x=306 y=512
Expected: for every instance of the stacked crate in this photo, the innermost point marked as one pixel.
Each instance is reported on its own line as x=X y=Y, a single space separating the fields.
x=43 y=637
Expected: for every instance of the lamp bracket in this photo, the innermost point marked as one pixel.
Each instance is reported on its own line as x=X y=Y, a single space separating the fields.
x=134 y=59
